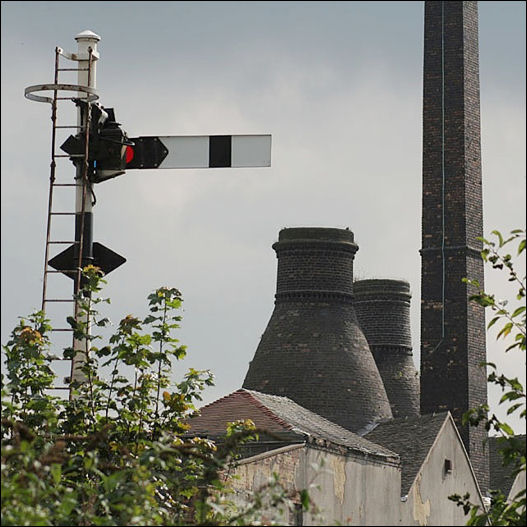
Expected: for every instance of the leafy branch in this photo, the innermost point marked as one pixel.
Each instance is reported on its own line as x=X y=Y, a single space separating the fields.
x=118 y=451
x=502 y=509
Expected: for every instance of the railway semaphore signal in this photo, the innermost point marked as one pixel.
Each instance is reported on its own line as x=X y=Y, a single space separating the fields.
x=101 y=150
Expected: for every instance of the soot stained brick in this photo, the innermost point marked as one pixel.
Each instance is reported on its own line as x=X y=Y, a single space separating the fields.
x=313 y=350
x=452 y=327
x=383 y=311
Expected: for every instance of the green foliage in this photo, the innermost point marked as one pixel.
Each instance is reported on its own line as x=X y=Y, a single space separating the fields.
x=512 y=321
x=499 y=512
x=116 y=452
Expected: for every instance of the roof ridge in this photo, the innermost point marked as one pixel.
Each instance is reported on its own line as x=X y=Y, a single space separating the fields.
x=218 y=400
x=266 y=410
x=253 y=400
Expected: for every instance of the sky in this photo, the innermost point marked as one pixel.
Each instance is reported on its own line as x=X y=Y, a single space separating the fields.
x=339 y=87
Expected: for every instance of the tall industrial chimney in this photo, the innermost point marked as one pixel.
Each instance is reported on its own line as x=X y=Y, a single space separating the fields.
x=452 y=327
x=383 y=311
x=313 y=350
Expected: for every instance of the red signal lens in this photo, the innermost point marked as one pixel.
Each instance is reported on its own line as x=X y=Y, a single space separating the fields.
x=129 y=154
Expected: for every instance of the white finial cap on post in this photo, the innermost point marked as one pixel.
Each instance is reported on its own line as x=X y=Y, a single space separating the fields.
x=88 y=35
x=87 y=40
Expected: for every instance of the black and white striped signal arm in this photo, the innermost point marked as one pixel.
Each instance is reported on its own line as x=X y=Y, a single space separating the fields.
x=200 y=151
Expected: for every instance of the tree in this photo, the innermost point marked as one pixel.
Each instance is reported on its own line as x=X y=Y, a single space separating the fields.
x=511 y=325
x=117 y=452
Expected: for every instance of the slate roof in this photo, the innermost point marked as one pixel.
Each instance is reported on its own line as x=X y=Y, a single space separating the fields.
x=282 y=417
x=412 y=438
x=500 y=476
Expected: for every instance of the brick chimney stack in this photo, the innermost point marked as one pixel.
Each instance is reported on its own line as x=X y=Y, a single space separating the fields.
x=313 y=350
x=452 y=327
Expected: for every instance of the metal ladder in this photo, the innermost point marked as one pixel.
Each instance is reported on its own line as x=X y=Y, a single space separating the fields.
x=81 y=181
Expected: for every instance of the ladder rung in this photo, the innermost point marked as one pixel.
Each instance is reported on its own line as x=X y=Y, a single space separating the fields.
x=59 y=300
x=72 y=69
x=65 y=271
x=58 y=388
x=68 y=155
x=64 y=213
x=69 y=126
x=62 y=242
x=66 y=185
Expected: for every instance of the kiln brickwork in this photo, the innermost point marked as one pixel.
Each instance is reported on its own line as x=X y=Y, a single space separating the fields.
x=452 y=327
x=383 y=311
x=313 y=350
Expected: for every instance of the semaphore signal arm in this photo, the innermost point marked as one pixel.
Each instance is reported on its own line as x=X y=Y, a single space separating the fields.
x=112 y=152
